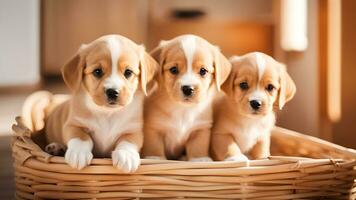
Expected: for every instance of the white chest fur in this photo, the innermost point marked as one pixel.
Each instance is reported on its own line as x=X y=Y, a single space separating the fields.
x=248 y=131
x=185 y=120
x=182 y=122
x=106 y=125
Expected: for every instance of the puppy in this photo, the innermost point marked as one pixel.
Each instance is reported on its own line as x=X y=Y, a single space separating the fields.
x=178 y=115
x=244 y=117
x=104 y=116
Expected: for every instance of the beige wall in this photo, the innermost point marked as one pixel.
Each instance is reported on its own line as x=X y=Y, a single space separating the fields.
x=302 y=113
x=344 y=132
x=19 y=41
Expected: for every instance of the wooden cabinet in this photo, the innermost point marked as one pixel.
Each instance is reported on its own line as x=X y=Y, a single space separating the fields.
x=66 y=24
x=230 y=24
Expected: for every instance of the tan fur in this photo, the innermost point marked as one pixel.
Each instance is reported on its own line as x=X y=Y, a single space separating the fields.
x=237 y=127
x=38 y=106
x=88 y=109
x=174 y=123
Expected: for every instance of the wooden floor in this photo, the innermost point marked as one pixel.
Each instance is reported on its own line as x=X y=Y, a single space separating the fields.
x=7 y=185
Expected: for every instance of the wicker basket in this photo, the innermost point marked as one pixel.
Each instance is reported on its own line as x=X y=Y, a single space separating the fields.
x=328 y=172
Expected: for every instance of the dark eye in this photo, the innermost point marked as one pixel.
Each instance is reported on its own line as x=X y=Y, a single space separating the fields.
x=244 y=85
x=128 y=73
x=98 y=72
x=270 y=88
x=203 y=71
x=174 y=70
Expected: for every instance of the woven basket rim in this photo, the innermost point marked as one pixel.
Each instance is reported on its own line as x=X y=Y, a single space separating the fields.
x=40 y=175
x=23 y=133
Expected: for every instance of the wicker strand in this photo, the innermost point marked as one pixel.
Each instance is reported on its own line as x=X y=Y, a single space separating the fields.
x=319 y=169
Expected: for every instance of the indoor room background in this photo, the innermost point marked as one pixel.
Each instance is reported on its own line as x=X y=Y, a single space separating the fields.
x=38 y=37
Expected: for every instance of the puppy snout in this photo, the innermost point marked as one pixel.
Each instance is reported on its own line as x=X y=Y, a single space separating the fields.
x=112 y=94
x=255 y=104
x=187 y=90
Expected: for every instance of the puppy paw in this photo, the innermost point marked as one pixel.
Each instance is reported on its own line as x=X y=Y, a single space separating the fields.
x=55 y=149
x=78 y=154
x=239 y=157
x=201 y=159
x=126 y=157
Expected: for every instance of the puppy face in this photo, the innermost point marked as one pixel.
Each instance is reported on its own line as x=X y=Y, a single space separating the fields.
x=257 y=83
x=189 y=67
x=109 y=70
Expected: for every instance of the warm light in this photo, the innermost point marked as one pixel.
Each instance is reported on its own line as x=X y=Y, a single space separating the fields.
x=334 y=60
x=294 y=25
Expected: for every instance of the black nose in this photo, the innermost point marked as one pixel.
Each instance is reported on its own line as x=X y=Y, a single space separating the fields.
x=255 y=104
x=187 y=90
x=112 y=94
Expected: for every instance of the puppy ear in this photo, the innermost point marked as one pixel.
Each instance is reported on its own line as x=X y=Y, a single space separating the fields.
x=287 y=87
x=156 y=53
x=72 y=71
x=228 y=85
x=222 y=68
x=148 y=68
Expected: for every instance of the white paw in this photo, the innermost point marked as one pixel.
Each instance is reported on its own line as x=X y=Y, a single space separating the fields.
x=239 y=157
x=78 y=154
x=154 y=157
x=201 y=159
x=55 y=149
x=126 y=157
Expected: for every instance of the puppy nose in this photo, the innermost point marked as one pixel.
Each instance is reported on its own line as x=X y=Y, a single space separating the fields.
x=112 y=94
x=187 y=90
x=255 y=104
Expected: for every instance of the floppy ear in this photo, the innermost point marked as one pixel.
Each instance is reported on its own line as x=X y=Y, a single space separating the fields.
x=157 y=53
x=222 y=68
x=228 y=85
x=148 y=68
x=72 y=71
x=287 y=87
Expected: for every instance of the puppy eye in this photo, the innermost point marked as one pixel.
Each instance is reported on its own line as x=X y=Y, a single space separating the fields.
x=244 y=85
x=128 y=73
x=98 y=72
x=270 y=88
x=174 y=70
x=203 y=72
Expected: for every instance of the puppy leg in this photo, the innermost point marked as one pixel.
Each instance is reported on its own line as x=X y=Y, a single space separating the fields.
x=261 y=148
x=197 y=146
x=79 y=147
x=224 y=147
x=153 y=146
x=126 y=154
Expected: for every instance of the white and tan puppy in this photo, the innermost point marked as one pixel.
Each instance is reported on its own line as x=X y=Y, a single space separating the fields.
x=178 y=115
x=104 y=116
x=244 y=117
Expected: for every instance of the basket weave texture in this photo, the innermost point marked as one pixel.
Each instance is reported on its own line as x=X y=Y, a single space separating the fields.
x=322 y=169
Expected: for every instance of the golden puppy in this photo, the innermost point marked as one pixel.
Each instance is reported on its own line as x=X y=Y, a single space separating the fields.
x=244 y=117
x=178 y=115
x=104 y=116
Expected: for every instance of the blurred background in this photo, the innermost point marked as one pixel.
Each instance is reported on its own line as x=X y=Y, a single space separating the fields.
x=314 y=38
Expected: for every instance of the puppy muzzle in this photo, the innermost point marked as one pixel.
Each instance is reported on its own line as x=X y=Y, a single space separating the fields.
x=255 y=104
x=188 y=90
x=112 y=95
